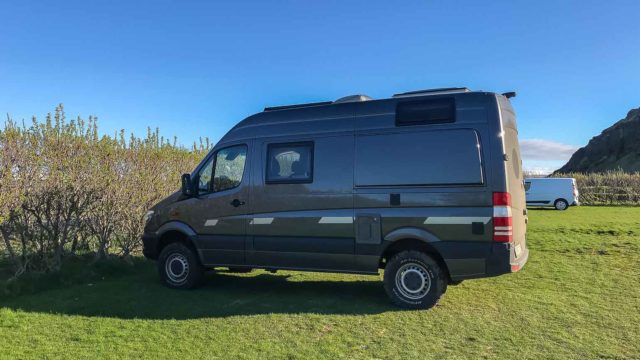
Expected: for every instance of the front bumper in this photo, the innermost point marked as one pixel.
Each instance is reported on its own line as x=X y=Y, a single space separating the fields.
x=150 y=246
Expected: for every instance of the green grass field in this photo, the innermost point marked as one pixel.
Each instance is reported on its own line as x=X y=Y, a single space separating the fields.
x=578 y=297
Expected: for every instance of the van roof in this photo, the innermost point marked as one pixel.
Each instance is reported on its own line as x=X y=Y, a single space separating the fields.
x=330 y=116
x=360 y=97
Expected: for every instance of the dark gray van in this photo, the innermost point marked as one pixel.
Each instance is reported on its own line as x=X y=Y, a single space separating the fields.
x=426 y=185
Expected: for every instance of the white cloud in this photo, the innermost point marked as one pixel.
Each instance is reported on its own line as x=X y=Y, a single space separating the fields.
x=546 y=150
x=538 y=170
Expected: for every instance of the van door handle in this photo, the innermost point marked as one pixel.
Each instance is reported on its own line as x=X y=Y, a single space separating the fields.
x=237 y=203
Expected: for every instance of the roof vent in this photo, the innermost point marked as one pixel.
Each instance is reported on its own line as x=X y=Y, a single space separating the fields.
x=353 y=98
x=453 y=90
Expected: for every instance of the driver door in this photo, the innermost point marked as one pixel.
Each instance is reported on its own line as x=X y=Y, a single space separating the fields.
x=217 y=214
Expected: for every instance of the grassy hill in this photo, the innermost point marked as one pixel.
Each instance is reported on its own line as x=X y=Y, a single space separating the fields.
x=578 y=297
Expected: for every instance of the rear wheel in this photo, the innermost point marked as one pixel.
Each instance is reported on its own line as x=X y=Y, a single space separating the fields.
x=561 y=204
x=179 y=267
x=414 y=280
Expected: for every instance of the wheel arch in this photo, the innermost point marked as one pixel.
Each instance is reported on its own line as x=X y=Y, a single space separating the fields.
x=409 y=238
x=175 y=231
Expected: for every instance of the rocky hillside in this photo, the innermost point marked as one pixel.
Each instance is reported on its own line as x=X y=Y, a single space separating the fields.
x=617 y=147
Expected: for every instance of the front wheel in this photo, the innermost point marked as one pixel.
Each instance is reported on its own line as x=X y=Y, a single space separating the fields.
x=179 y=267
x=414 y=280
x=561 y=204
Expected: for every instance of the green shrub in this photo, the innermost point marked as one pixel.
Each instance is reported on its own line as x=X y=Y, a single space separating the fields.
x=64 y=190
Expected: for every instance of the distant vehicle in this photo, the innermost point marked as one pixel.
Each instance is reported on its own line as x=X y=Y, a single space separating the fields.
x=426 y=185
x=557 y=192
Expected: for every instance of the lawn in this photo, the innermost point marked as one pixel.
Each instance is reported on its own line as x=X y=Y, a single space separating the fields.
x=578 y=297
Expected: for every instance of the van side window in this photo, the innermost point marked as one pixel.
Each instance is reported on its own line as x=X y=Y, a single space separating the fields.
x=425 y=112
x=527 y=185
x=289 y=163
x=229 y=167
x=431 y=158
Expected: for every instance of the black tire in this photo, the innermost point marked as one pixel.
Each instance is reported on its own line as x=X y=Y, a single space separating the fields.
x=561 y=204
x=423 y=288
x=179 y=267
x=239 y=269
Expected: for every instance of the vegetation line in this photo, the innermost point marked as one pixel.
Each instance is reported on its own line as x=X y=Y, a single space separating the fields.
x=65 y=191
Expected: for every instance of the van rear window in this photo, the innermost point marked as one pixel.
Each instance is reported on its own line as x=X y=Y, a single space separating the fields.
x=425 y=112
x=442 y=157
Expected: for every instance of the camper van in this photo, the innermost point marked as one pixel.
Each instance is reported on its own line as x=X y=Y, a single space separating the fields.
x=425 y=185
x=557 y=192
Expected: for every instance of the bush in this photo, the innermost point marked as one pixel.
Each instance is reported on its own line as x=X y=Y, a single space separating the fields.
x=66 y=191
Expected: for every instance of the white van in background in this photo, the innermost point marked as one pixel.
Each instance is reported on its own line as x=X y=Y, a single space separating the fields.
x=557 y=192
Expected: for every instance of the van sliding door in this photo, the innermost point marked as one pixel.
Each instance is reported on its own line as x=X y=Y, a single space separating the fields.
x=303 y=204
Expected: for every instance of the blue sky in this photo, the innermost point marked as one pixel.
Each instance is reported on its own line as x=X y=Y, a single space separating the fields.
x=195 y=68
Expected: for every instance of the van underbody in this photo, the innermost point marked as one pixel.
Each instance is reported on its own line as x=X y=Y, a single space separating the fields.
x=462 y=261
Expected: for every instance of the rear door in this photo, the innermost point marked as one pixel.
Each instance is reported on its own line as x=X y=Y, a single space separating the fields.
x=513 y=171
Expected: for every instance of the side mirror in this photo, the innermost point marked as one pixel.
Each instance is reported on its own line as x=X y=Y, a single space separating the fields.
x=187 y=185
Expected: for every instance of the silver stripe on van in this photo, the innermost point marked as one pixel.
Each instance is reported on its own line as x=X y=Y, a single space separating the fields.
x=336 y=220
x=211 y=222
x=455 y=220
x=261 y=221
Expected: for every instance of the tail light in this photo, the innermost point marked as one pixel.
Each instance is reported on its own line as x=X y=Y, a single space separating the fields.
x=502 y=225
x=575 y=189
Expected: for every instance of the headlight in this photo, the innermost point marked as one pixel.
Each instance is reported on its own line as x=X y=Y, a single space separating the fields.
x=147 y=217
